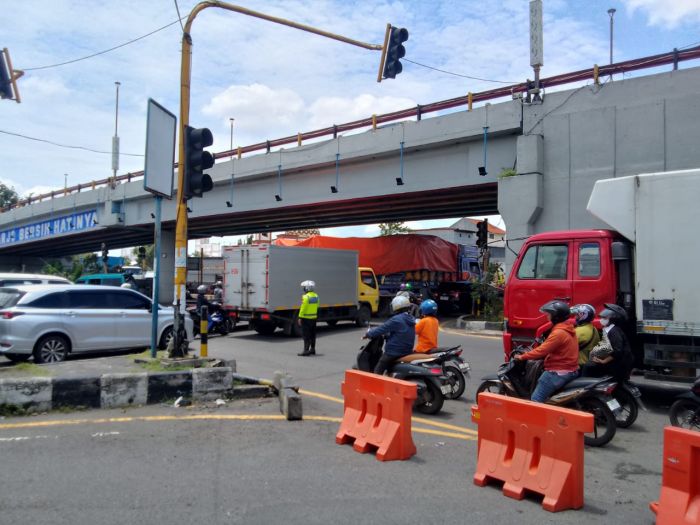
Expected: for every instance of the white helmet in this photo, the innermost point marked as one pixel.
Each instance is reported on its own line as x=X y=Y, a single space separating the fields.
x=128 y=286
x=400 y=302
x=308 y=286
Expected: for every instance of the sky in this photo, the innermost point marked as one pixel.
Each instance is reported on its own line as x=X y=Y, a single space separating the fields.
x=276 y=81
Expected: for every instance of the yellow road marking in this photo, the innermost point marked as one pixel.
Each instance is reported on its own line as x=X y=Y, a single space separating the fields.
x=414 y=418
x=201 y=417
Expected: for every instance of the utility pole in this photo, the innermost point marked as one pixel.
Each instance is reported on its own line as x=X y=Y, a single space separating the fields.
x=611 y=12
x=536 y=45
x=179 y=348
x=115 y=139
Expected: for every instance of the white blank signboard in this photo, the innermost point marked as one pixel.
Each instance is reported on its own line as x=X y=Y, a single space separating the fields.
x=160 y=150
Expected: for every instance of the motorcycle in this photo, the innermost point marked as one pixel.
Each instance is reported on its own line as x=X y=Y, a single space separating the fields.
x=588 y=394
x=220 y=321
x=685 y=410
x=630 y=399
x=431 y=391
x=455 y=369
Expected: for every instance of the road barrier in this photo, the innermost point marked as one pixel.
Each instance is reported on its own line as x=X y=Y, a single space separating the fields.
x=679 y=502
x=531 y=446
x=377 y=414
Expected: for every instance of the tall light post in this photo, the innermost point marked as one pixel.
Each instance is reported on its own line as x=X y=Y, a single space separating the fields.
x=115 y=139
x=65 y=181
x=611 y=12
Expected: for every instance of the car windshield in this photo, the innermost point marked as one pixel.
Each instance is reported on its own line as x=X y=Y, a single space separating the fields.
x=9 y=298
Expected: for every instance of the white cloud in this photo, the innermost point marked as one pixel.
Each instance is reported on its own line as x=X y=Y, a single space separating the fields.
x=667 y=13
x=329 y=110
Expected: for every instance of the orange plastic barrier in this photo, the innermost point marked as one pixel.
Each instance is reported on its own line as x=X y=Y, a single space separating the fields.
x=377 y=414
x=679 y=503
x=531 y=446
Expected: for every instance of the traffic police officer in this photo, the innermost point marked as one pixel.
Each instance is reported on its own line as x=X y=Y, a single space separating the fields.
x=308 y=313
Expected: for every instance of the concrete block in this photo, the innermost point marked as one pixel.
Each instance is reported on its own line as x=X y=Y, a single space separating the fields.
x=167 y=386
x=290 y=404
x=211 y=383
x=530 y=154
x=32 y=394
x=120 y=390
x=76 y=392
x=248 y=391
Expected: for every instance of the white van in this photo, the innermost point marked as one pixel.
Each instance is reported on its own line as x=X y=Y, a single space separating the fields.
x=14 y=279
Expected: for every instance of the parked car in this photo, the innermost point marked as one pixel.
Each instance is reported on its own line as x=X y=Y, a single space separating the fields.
x=14 y=279
x=108 y=279
x=454 y=297
x=49 y=322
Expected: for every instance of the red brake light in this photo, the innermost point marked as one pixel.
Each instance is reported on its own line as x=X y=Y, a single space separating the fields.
x=9 y=315
x=436 y=370
x=265 y=317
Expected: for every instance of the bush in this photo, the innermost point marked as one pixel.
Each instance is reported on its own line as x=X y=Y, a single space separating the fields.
x=489 y=296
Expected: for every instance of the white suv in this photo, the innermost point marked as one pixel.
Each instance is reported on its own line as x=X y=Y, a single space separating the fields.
x=49 y=322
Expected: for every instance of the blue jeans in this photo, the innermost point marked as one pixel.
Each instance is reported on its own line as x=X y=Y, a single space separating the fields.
x=550 y=382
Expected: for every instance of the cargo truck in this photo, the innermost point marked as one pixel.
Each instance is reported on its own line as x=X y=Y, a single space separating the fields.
x=646 y=264
x=262 y=286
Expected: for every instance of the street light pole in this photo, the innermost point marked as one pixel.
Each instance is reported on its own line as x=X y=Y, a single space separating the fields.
x=115 y=139
x=611 y=12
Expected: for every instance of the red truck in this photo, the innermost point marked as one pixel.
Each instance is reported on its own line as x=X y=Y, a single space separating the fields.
x=644 y=263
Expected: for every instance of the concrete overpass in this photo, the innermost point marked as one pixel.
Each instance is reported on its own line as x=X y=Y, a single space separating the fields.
x=560 y=147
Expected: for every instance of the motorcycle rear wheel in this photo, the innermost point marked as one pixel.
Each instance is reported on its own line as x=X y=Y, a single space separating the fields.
x=685 y=413
x=456 y=381
x=431 y=400
x=604 y=427
x=630 y=411
x=491 y=386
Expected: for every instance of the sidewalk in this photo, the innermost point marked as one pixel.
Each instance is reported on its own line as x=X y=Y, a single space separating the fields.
x=494 y=329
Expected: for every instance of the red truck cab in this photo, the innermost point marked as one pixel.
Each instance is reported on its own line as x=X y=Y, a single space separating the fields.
x=576 y=266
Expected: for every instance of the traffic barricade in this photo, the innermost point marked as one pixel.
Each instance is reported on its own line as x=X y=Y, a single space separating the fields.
x=531 y=447
x=377 y=414
x=679 y=502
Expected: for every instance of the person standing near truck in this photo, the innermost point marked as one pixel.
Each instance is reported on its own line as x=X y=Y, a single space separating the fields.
x=308 y=313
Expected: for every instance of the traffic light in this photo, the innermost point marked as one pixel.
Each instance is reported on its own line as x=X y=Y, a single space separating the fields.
x=482 y=234
x=105 y=253
x=394 y=50
x=197 y=161
x=8 y=77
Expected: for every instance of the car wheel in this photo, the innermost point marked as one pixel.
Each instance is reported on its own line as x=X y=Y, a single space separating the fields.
x=51 y=349
x=18 y=358
x=166 y=338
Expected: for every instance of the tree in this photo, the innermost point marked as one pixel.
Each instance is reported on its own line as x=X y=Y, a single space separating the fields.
x=8 y=195
x=392 y=228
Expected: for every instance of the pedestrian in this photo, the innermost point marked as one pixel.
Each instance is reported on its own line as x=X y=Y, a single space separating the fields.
x=559 y=351
x=308 y=313
x=399 y=332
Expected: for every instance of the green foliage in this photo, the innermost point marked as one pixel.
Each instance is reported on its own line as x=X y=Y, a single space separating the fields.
x=80 y=264
x=508 y=172
x=392 y=228
x=8 y=195
x=490 y=297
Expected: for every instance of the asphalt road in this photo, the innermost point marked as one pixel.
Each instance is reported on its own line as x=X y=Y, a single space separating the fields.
x=241 y=463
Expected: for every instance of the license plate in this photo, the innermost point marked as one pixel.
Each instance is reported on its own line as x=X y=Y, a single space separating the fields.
x=464 y=367
x=446 y=389
x=244 y=317
x=614 y=405
x=444 y=297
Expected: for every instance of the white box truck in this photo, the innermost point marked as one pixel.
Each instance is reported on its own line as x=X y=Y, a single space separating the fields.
x=646 y=264
x=262 y=285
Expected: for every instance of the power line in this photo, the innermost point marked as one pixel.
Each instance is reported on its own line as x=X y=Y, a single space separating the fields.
x=105 y=51
x=179 y=17
x=65 y=145
x=458 y=74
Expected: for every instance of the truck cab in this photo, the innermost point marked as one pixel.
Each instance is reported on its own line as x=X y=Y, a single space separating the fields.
x=574 y=266
x=368 y=289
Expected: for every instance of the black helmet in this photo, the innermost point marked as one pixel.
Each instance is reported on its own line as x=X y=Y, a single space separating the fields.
x=559 y=310
x=614 y=312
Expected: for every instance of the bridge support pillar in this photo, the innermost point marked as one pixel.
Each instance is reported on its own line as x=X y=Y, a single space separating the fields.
x=521 y=197
x=166 y=290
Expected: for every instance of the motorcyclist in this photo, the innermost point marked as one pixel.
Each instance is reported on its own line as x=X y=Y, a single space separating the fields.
x=617 y=359
x=559 y=350
x=219 y=292
x=406 y=290
x=587 y=335
x=399 y=331
x=427 y=327
x=202 y=300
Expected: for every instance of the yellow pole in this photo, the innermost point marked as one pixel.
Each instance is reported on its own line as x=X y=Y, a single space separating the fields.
x=298 y=139
x=204 y=333
x=595 y=74
x=374 y=121
x=470 y=97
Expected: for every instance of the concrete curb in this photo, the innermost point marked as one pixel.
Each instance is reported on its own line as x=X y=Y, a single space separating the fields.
x=41 y=394
x=486 y=327
x=290 y=399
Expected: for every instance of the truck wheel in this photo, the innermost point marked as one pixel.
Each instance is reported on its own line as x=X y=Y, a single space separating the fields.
x=363 y=316
x=265 y=328
x=292 y=328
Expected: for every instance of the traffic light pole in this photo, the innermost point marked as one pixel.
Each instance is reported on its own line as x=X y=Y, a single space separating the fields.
x=179 y=348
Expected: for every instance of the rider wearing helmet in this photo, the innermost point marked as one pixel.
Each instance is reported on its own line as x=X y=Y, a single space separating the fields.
x=128 y=286
x=202 y=300
x=308 y=313
x=219 y=292
x=619 y=361
x=559 y=351
x=586 y=334
x=427 y=327
x=399 y=331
